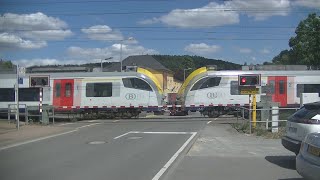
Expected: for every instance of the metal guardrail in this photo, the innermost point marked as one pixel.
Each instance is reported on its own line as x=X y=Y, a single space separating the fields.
x=275 y=122
x=32 y=111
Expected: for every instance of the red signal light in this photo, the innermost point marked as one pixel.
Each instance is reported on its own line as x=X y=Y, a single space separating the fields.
x=243 y=80
x=249 y=80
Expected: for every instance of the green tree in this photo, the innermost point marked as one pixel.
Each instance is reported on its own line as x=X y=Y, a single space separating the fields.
x=305 y=45
x=7 y=64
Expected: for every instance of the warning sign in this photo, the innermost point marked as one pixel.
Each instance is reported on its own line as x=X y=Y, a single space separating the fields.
x=249 y=90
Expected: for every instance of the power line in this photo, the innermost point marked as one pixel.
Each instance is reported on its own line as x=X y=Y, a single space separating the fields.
x=176 y=39
x=208 y=10
x=152 y=28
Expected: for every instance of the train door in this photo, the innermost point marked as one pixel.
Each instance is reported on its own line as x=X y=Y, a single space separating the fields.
x=278 y=89
x=63 y=92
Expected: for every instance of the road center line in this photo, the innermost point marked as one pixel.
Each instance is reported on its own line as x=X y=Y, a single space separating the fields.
x=173 y=158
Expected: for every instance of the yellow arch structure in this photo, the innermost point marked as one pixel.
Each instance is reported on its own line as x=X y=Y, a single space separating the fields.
x=190 y=77
x=152 y=77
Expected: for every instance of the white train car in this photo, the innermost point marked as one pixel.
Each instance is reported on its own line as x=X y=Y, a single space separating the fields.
x=217 y=90
x=123 y=94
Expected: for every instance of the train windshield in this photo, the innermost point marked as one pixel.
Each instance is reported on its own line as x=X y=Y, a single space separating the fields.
x=136 y=83
x=206 y=83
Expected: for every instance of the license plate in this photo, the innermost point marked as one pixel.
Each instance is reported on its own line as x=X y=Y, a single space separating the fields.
x=314 y=150
x=292 y=129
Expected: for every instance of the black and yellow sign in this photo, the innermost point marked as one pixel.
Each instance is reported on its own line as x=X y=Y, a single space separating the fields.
x=249 y=90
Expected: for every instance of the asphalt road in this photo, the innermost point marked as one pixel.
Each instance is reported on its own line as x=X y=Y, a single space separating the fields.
x=145 y=149
x=120 y=149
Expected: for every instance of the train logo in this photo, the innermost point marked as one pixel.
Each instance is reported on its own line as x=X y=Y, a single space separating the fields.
x=212 y=95
x=131 y=96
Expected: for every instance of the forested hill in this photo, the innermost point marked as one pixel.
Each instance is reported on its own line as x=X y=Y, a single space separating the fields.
x=178 y=63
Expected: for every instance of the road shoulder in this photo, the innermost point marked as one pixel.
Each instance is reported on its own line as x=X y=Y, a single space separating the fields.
x=10 y=135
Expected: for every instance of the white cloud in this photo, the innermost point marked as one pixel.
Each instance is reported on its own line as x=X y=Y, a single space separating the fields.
x=47 y=34
x=307 y=3
x=202 y=49
x=261 y=10
x=37 y=26
x=30 y=31
x=264 y=51
x=11 y=41
x=210 y=15
x=149 y=21
x=225 y=13
x=102 y=33
x=36 y=21
x=112 y=51
x=245 y=50
x=47 y=61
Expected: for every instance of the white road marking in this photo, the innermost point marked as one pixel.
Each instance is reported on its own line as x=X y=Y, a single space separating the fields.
x=116 y=121
x=250 y=152
x=173 y=158
x=159 y=132
x=88 y=125
x=35 y=140
x=209 y=122
x=46 y=137
x=123 y=135
x=91 y=121
x=64 y=124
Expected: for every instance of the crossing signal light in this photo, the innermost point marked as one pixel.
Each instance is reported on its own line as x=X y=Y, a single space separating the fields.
x=39 y=81
x=249 y=80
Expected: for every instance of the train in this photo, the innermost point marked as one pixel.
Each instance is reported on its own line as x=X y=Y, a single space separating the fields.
x=217 y=92
x=116 y=94
x=127 y=94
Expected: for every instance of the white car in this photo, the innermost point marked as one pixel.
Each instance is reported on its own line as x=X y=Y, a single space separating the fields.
x=308 y=159
x=306 y=120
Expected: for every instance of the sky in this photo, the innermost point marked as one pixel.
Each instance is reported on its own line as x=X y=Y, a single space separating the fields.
x=49 y=32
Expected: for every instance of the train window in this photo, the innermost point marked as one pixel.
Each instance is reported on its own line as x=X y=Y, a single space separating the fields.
x=58 y=90
x=271 y=86
x=136 y=84
x=29 y=94
x=99 y=90
x=281 y=87
x=308 y=88
x=7 y=95
x=206 y=83
x=211 y=82
x=68 y=90
x=234 y=90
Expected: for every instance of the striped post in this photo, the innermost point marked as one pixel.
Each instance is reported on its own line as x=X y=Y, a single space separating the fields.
x=40 y=103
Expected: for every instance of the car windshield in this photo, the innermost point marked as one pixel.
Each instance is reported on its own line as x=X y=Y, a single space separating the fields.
x=306 y=112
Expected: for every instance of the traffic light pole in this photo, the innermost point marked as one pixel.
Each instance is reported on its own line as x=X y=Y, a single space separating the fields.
x=254 y=111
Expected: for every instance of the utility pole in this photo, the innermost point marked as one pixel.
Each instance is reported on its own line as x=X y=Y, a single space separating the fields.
x=17 y=99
